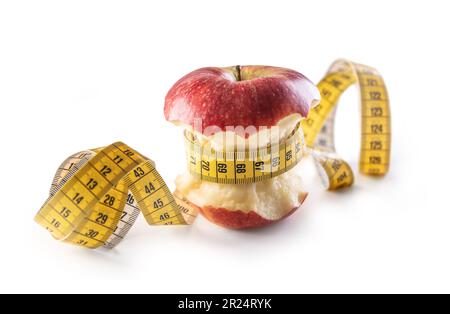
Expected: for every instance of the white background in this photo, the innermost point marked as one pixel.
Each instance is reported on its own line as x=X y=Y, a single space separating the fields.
x=82 y=74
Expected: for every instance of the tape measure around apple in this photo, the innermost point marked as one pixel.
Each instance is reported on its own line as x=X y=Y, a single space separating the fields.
x=97 y=195
x=247 y=166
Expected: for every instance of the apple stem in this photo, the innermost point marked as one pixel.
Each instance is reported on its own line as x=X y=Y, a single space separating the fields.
x=238 y=71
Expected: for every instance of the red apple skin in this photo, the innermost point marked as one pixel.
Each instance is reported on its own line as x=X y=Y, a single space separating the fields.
x=240 y=220
x=239 y=96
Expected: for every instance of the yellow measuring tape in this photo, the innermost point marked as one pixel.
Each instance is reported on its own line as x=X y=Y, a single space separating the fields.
x=97 y=195
x=375 y=124
x=246 y=166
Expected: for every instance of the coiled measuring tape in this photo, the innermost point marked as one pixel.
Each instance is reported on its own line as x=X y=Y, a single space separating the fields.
x=375 y=124
x=97 y=195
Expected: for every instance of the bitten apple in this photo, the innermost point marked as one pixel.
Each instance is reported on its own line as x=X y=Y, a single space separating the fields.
x=213 y=101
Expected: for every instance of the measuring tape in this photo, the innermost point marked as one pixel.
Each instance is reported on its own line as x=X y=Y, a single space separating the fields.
x=97 y=195
x=246 y=166
x=318 y=127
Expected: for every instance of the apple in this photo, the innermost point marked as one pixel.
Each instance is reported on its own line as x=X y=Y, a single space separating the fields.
x=241 y=96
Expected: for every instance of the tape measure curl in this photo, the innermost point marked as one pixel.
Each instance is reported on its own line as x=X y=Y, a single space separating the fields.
x=97 y=195
x=318 y=127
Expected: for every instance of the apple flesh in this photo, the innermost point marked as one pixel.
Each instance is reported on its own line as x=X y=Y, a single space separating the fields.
x=247 y=205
